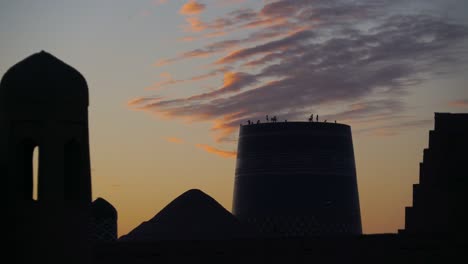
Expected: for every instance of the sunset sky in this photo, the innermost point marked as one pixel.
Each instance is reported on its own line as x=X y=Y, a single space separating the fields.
x=170 y=81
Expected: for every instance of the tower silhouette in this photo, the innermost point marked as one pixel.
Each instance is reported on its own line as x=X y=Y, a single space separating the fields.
x=104 y=223
x=44 y=105
x=297 y=179
x=440 y=198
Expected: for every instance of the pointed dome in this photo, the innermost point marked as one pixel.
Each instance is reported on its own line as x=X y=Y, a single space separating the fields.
x=42 y=79
x=193 y=215
x=103 y=209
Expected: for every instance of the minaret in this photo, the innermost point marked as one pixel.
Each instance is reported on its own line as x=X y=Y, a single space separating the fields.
x=297 y=179
x=44 y=105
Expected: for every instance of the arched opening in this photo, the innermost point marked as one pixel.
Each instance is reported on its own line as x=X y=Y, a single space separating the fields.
x=27 y=166
x=73 y=164
x=35 y=173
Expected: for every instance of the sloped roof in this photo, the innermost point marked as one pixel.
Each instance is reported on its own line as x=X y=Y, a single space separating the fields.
x=103 y=209
x=193 y=215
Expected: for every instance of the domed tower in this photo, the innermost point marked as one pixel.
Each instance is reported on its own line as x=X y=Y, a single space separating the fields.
x=104 y=223
x=44 y=105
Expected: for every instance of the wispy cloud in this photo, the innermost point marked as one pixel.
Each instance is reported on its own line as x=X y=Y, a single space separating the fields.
x=142 y=101
x=194 y=24
x=233 y=82
x=232 y=21
x=221 y=153
x=395 y=128
x=463 y=103
x=269 y=47
x=170 y=81
x=356 y=59
x=226 y=45
x=174 y=140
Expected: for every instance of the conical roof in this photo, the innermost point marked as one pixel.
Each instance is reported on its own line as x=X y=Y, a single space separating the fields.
x=193 y=215
x=43 y=79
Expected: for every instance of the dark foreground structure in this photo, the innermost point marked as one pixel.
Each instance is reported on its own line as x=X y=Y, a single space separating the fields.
x=44 y=105
x=440 y=200
x=104 y=221
x=193 y=216
x=391 y=249
x=296 y=182
x=296 y=179
x=435 y=227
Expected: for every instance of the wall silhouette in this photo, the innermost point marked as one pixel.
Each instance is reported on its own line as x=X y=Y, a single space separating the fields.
x=44 y=104
x=440 y=199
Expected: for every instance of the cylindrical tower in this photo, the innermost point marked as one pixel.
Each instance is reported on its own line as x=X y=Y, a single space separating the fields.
x=297 y=179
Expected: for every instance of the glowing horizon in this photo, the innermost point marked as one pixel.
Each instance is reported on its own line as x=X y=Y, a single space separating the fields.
x=170 y=82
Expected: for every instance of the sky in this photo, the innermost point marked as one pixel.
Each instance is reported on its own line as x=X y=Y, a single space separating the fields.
x=170 y=81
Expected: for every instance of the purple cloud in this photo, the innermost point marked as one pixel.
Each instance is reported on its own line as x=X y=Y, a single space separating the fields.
x=346 y=53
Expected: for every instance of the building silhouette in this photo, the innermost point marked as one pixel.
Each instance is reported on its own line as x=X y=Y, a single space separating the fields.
x=297 y=179
x=193 y=215
x=104 y=221
x=44 y=105
x=292 y=179
x=440 y=199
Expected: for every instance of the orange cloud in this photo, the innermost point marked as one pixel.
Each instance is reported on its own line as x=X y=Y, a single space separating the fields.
x=273 y=46
x=195 y=24
x=223 y=130
x=222 y=153
x=188 y=39
x=459 y=103
x=230 y=78
x=230 y=57
x=174 y=140
x=164 y=62
x=215 y=34
x=192 y=7
x=139 y=100
x=270 y=56
x=165 y=75
x=139 y=103
x=170 y=81
x=265 y=22
x=186 y=55
x=223 y=127
x=135 y=101
x=233 y=82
